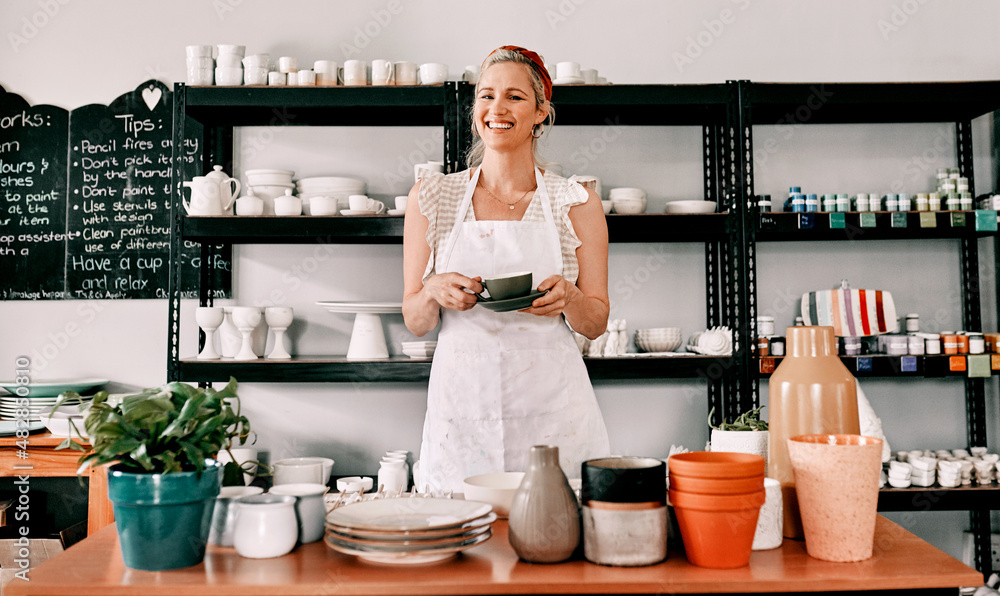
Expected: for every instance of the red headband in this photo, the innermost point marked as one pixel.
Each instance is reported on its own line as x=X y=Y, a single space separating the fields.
x=536 y=61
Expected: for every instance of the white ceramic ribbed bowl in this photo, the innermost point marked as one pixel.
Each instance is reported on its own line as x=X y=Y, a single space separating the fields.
x=690 y=207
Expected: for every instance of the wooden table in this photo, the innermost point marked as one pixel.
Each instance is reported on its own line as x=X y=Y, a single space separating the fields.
x=46 y=462
x=94 y=567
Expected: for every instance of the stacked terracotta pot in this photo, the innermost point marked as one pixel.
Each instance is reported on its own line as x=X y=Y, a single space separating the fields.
x=716 y=498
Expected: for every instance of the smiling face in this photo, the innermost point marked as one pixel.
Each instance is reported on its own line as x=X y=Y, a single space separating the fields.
x=506 y=110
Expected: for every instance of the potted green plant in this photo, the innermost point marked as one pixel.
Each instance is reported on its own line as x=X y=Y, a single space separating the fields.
x=163 y=480
x=747 y=434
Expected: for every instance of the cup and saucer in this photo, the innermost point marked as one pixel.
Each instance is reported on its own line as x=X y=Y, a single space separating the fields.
x=509 y=304
x=358 y=212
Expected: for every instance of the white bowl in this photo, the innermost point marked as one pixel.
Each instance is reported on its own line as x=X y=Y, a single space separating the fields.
x=269 y=177
x=897 y=483
x=270 y=191
x=495 y=489
x=58 y=423
x=229 y=61
x=228 y=77
x=690 y=207
x=231 y=49
x=625 y=191
x=606 y=205
x=657 y=345
x=628 y=206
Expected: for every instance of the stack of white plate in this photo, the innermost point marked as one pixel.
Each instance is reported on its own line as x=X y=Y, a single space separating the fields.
x=407 y=531
x=339 y=187
x=10 y=410
x=419 y=349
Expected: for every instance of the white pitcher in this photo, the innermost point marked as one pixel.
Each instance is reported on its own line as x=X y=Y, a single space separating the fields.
x=207 y=196
x=228 y=190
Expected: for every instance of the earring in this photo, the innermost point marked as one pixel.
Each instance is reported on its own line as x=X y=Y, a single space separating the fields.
x=538 y=131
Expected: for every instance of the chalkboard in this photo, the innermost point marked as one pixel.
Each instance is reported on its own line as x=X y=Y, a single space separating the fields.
x=33 y=142
x=112 y=193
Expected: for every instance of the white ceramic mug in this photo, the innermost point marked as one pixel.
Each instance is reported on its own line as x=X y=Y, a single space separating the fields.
x=287 y=64
x=306 y=77
x=567 y=70
x=381 y=72
x=354 y=73
x=589 y=76
x=243 y=457
x=277 y=79
x=200 y=76
x=255 y=76
x=326 y=73
x=224 y=513
x=471 y=74
x=405 y=73
x=310 y=508
x=433 y=73
x=363 y=203
x=323 y=205
x=265 y=526
x=400 y=203
x=257 y=61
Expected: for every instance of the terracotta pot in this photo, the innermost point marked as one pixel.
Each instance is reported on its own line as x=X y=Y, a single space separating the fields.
x=836 y=480
x=716 y=486
x=706 y=464
x=717 y=530
x=811 y=392
x=753 y=442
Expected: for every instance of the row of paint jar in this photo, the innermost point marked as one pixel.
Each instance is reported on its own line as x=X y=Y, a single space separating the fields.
x=811 y=203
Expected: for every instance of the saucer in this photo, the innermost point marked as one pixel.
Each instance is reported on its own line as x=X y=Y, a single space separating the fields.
x=396 y=211
x=510 y=303
x=568 y=81
x=357 y=212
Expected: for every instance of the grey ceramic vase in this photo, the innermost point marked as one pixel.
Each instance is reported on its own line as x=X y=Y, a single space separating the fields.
x=544 y=514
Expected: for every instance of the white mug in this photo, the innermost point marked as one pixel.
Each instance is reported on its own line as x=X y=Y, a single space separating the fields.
x=471 y=74
x=323 y=205
x=287 y=64
x=306 y=77
x=326 y=73
x=354 y=73
x=431 y=166
x=310 y=508
x=277 y=79
x=433 y=73
x=224 y=513
x=401 y=203
x=589 y=76
x=567 y=69
x=405 y=73
x=363 y=203
x=381 y=72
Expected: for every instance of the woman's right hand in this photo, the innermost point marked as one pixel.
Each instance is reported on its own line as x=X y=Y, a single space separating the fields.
x=449 y=290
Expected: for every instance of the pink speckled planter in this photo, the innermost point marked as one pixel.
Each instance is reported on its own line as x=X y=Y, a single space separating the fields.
x=836 y=483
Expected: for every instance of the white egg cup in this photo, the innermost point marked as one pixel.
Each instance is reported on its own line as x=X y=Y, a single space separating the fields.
x=278 y=319
x=209 y=318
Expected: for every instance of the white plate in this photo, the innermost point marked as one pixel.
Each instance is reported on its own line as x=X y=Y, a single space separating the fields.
x=396 y=211
x=568 y=81
x=362 y=307
x=54 y=387
x=407 y=514
x=8 y=428
x=417 y=557
x=356 y=212
x=467 y=527
x=406 y=542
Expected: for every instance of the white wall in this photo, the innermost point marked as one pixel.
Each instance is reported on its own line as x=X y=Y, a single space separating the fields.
x=82 y=53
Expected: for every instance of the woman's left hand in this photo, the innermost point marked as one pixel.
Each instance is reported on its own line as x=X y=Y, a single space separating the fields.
x=560 y=294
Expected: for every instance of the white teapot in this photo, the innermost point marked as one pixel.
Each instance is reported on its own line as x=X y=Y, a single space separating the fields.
x=207 y=196
x=229 y=192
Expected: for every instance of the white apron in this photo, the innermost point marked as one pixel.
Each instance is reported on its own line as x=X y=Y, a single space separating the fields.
x=503 y=382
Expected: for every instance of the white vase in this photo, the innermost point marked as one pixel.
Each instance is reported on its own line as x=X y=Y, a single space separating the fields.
x=753 y=442
x=768 y=533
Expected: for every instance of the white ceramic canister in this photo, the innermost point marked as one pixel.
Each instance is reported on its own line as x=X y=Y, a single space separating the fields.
x=224 y=513
x=769 y=521
x=265 y=526
x=310 y=507
x=624 y=511
x=393 y=475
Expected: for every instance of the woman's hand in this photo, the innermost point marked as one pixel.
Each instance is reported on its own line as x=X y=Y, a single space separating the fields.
x=449 y=290
x=560 y=294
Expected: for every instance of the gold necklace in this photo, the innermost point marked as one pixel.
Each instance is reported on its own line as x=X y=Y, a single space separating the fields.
x=498 y=200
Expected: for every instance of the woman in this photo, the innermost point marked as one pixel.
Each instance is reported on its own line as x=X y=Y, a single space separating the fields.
x=502 y=382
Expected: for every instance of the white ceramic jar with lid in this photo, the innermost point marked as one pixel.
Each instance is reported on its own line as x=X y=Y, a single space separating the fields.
x=265 y=526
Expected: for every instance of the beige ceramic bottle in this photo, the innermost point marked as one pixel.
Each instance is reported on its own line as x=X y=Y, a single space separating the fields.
x=810 y=392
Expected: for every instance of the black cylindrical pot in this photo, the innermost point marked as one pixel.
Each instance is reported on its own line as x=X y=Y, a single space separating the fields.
x=624 y=480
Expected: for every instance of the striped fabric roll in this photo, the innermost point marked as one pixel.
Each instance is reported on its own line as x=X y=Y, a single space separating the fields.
x=851 y=313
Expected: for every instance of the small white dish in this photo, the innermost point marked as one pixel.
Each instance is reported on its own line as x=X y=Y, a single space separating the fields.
x=896 y=483
x=568 y=81
x=396 y=211
x=690 y=207
x=357 y=212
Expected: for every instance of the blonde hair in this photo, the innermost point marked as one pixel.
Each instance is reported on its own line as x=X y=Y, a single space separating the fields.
x=474 y=156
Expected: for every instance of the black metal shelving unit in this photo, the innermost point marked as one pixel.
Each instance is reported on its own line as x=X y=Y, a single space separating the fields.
x=860 y=103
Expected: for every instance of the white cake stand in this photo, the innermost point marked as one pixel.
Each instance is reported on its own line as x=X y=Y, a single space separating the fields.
x=367 y=338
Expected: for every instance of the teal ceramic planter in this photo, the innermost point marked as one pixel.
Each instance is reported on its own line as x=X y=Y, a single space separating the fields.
x=163 y=519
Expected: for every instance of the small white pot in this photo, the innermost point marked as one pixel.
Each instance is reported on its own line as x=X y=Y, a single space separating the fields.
x=741 y=441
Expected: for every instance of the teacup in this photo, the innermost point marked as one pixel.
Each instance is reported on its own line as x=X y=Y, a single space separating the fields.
x=354 y=73
x=471 y=74
x=231 y=49
x=433 y=73
x=567 y=70
x=257 y=61
x=200 y=76
x=255 y=76
x=401 y=203
x=323 y=205
x=508 y=285
x=405 y=73
x=381 y=72
x=363 y=203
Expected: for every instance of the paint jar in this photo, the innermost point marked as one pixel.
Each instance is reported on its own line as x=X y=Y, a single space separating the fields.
x=895 y=345
x=963 y=342
x=764 y=202
x=922 y=203
x=850 y=346
x=843 y=203
x=798 y=204
x=932 y=344
x=934 y=201
x=953 y=203
x=962 y=185
x=765 y=326
x=903 y=202
x=977 y=343
x=965 y=200
x=862 y=203
x=829 y=203
x=891 y=203
x=812 y=203
x=949 y=343
x=992 y=342
x=777 y=346
x=912 y=322
x=947 y=187
x=874 y=202
x=915 y=345
x=762 y=347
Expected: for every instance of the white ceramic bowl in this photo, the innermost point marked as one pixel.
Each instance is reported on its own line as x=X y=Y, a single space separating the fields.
x=229 y=61
x=624 y=191
x=270 y=191
x=606 y=205
x=495 y=489
x=59 y=423
x=263 y=177
x=200 y=62
x=656 y=345
x=690 y=207
x=200 y=76
x=628 y=206
x=231 y=49
x=228 y=77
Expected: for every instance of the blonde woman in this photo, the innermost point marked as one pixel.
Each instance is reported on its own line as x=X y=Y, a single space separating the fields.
x=504 y=381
